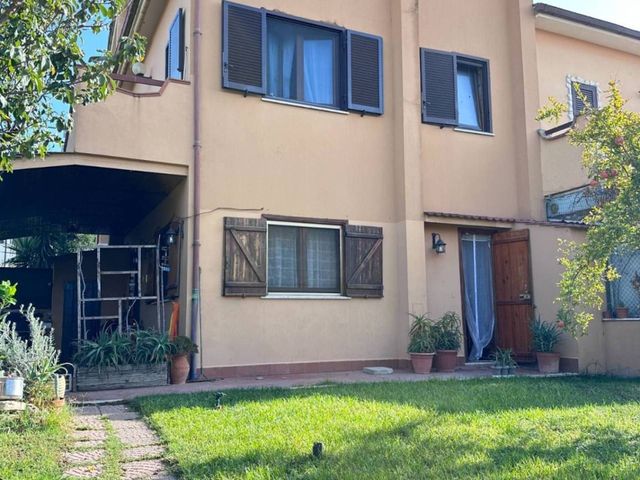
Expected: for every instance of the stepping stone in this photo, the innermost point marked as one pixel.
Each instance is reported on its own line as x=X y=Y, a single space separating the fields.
x=144 y=469
x=124 y=416
x=89 y=435
x=143 y=453
x=378 y=370
x=89 y=471
x=131 y=426
x=87 y=444
x=114 y=409
x=88 y=410
x=88 y=422
x=80 y=457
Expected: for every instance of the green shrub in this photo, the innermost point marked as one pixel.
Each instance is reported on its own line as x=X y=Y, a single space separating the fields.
x=504 y=357
x=446 y=332
x=545 y=335
x=36 y=359
x=421 y=339
x=182 y=345
x=114 y=349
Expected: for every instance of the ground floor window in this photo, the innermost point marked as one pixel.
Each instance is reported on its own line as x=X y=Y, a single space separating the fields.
x=303 y=258
x=624 y=293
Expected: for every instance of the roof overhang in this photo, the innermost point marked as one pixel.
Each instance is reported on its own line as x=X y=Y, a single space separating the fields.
x=582 y=27
x=77 y=198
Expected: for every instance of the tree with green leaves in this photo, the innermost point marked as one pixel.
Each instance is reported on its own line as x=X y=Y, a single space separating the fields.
x=41 y=60
x=39 y=251
x=610 y=143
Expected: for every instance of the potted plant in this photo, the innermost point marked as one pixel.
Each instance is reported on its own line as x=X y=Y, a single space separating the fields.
x=421 y=344
x=447 y=339
x=504 y=362
x=123 y=360
x=545 y=337
x=181 y=348
x=621 y=310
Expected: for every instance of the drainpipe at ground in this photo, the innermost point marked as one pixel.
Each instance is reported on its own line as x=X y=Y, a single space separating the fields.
x=195 y=273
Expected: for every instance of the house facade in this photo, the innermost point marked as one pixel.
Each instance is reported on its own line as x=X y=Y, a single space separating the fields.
x=313 y=155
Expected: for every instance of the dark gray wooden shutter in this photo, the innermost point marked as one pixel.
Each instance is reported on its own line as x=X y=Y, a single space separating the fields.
x=244 y=48
x=591 y=94
x=245 y=257
x=175 y=49
x=364 y=73
x=363 y=261
x=439 y=92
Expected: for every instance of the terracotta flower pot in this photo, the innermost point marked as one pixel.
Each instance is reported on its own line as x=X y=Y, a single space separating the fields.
x=421 y=362
x=622 y=312
x=548 y=362
x=446 y=360
x=179 y=369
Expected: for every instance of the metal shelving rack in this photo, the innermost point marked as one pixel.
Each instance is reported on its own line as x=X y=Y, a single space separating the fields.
x=135 y=274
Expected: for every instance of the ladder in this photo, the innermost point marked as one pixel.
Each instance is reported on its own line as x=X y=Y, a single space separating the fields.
x=135 y=293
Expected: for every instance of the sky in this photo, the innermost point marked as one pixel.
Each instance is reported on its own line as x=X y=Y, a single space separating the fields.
x=622 y=12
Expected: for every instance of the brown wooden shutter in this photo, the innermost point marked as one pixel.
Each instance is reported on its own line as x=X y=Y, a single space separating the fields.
x=363 y=261
x=245 y=257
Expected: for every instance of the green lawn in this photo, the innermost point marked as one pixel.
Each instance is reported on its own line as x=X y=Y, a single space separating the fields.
x=569 y=427
x=31 y=445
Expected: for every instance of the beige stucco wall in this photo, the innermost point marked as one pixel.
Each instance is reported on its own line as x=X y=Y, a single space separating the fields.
x=250 y=331
x=155 y=128
x=469 y=172
x=559 y=57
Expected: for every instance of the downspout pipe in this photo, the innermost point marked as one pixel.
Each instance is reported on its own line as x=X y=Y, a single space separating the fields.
x=197 y=147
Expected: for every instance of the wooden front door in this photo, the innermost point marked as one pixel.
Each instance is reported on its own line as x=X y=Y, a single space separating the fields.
x=514 y=298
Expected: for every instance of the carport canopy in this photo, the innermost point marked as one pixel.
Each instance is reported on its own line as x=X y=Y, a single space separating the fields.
x=79 y=199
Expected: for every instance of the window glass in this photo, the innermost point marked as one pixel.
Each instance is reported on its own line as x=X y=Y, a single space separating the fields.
x=283 y=257
x=323 y=263
x=302 y=62
x=468 y=102
x=302 y=259
x=625 y=291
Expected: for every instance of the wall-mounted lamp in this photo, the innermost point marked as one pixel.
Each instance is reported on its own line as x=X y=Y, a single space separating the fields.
x=437 y=244
x=170 y=236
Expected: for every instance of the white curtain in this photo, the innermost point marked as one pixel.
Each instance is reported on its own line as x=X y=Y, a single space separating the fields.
x=478 y=289
x=318 y=71
x=283 y=257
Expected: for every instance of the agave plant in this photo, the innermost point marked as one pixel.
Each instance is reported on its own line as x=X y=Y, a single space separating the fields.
x=151 y=347
x=109 y=349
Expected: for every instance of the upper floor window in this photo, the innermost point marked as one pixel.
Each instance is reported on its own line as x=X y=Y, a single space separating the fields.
x=279 y=56
x=302 y=62
x=582 y=94
x=455 y=90
x=174 y=51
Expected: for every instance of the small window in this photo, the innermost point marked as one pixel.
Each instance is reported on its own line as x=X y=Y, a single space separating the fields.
x=303 y=259
x=588 y=95
x=174 y=51
x=302 y=62
x=455 y=90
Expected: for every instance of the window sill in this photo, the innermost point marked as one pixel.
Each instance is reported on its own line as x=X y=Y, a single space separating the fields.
x=304 y=105
x=613 y=320
x=304 y=296
x=476 y=132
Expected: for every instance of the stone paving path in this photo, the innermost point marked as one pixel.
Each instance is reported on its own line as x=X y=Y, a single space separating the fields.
x=137 y=449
